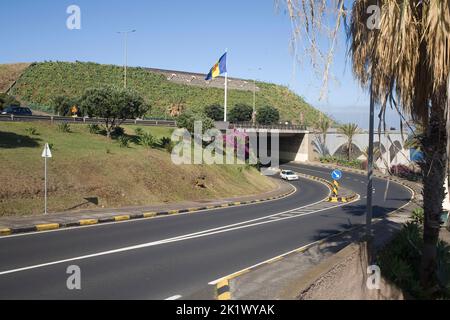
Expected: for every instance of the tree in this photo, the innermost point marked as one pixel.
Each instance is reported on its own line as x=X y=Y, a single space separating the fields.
x=62 y=105
x=268 y=115
x=349 y=130
x=187 y=121
x=114 y=105
x=214 y=112
x=402 y=59
x=240 y=113
x=320 y=143
x=8 y=101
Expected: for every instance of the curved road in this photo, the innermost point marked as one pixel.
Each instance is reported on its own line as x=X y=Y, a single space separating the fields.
x=179 y=255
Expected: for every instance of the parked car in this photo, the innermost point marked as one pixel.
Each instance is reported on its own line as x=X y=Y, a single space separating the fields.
x=18 y=111
x=288 y=175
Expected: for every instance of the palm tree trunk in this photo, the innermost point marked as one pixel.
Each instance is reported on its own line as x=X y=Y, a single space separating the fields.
x=434 y=170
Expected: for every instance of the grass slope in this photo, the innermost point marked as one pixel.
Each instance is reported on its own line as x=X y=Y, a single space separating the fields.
x=86 y=165
x=42 y=81
x=10 y=73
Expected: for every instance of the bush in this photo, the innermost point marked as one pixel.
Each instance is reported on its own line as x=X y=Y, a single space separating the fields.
x=355 y=164
x=139 y=131
x=405 y=172
x=418 y=216
x=167 y=144
x=94 y=128
x=400 y=263
x=31 y=131
x=8 y=101
x=64 y=127
x=240 y=113
x=268 y=115
x=124 y=141
x=147 y=140
x=214 y=112
x=118 y=132
x=62 y=105
x=187 y=120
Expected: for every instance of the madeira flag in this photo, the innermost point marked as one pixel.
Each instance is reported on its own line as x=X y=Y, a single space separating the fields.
x=219 y=68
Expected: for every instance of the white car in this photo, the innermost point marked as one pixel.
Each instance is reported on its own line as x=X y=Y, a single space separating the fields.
x=289 y=175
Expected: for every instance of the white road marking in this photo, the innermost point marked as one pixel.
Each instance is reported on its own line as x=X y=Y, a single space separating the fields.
x=232 y=227
x=173 y=298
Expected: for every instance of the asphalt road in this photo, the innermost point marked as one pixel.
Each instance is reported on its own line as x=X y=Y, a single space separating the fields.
x=179 y=255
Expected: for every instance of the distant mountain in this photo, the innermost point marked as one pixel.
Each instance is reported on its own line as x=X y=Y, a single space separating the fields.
x=37 y=83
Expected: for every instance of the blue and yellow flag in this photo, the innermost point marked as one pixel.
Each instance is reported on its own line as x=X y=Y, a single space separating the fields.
x=219 y=68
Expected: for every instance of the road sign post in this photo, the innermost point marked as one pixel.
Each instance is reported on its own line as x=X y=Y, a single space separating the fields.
x=46 y=153
x=336 y=175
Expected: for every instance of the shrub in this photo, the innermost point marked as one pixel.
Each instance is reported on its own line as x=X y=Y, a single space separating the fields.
x=167 y=144
x=124 y=141
x=268 y=115
x=240 y=113
x=8 y=101
x=64 y=127
x=117 y=132
x=31 y=131
x=94 y=128
x=405 y=172
x=187 y=120
x=418 y=216
x=63 y=105
x=139 y=132
x=214 y=112
x=147 y=140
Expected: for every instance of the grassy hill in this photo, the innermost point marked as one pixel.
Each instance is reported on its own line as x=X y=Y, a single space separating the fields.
x=42 y=81
x=86 y=165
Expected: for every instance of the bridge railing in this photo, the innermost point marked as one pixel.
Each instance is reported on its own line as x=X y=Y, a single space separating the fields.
x=83 y=120
x=250 y=125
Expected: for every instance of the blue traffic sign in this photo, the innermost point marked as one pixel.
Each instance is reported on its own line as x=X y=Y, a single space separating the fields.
x=336 y=174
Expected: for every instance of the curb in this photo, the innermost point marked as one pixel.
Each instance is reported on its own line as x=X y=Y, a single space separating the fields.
x=223 y=290
x=143 y=215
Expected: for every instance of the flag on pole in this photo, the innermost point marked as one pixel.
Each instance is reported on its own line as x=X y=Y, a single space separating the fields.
x=219 y=68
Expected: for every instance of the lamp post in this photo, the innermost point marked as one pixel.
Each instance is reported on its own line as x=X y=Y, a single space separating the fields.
x=254 y=94
x=125 y=33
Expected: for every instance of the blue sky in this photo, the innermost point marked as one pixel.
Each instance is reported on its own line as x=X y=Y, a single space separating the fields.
x=180 y=35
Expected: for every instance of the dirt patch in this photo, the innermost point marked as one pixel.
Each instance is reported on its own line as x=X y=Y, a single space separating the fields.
x=9 y=73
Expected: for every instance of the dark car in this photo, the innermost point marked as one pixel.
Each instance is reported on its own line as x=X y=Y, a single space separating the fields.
x=18 y=111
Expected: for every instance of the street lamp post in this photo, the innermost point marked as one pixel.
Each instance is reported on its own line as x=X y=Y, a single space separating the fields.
x=254 y=94
x=125 y=33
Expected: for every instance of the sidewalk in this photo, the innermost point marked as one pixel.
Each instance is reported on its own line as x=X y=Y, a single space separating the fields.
x=13 y=224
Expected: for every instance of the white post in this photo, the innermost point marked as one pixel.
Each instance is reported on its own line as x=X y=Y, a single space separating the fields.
x=226 y=92
x=45 y=187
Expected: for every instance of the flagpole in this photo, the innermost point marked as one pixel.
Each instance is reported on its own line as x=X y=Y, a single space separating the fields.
x=226 y=92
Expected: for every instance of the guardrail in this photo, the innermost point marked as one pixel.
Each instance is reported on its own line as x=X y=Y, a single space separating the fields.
x=82 y=120
x=243 y=125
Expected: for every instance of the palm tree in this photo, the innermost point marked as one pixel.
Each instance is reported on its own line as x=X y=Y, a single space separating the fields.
x=322 y=126
x=405 y=63
x=349 y=130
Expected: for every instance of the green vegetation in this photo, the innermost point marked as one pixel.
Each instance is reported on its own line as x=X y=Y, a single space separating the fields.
x=268 y=115
x=63 y=105
x=7 y=101
x=114 y=105
x=214 y=112
x=41 y=82
x=90 y=165
x=187 y=120
x=349 y=130
x=240 y=113
x=355 y=164
x=400 y=263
